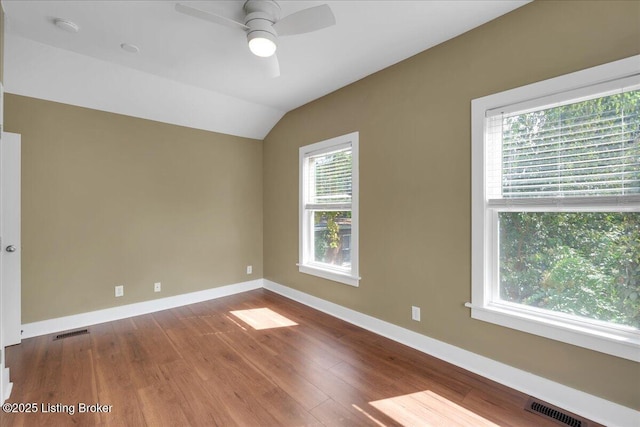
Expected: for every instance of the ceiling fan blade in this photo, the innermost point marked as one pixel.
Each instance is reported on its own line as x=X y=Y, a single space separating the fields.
x=305 y=21
x=269 y=66
x=207 y=16
x=272 y=66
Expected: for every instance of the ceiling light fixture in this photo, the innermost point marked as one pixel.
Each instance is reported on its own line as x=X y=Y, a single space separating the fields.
x=68 y=26
x=262 y=43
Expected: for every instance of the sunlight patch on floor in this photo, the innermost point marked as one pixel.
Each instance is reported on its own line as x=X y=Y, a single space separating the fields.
x=428 y=408
x=263 y=318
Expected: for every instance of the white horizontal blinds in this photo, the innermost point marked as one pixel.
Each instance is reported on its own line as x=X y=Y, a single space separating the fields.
x=583 y=149
x=330 y=180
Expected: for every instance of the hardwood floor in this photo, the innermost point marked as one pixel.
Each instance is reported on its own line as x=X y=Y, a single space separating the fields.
x=253 y=359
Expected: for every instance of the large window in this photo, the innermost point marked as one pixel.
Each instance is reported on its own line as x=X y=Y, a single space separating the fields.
x=329 y=209
x=556 y=208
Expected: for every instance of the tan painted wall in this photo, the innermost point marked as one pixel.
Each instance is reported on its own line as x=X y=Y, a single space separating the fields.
x=109 y=199
x=415 y=181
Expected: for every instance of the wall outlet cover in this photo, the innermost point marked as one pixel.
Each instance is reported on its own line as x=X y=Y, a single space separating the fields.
x=415 y=313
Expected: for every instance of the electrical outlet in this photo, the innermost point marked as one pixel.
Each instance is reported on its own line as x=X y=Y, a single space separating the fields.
x=119 y=290
x=249 y=269
x=415 y=313
x=157 y=287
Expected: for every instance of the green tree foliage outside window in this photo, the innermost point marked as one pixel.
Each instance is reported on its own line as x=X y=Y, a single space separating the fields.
x=330 y=227
x=585 y=264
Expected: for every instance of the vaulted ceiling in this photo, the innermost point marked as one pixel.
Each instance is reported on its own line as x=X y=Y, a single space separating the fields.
x=195 y=73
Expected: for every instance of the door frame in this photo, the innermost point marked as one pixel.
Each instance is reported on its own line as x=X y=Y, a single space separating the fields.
x=10 y=270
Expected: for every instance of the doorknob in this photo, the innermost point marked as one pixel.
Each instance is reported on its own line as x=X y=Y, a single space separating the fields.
x=11 y=248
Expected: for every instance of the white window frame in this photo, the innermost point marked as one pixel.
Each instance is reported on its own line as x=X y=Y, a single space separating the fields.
x=617 y=340
x=306 y=263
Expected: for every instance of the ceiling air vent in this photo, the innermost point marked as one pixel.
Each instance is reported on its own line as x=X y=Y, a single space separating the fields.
x=554 y=413
x=71 y=334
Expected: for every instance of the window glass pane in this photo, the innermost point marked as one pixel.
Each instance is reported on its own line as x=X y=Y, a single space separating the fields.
x=584 y=264
x=584 y=148
x=331 y=177
x=332 y=238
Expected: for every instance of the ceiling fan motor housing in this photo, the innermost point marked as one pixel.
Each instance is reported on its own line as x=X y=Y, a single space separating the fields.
x=269 y=7
x=260 y=17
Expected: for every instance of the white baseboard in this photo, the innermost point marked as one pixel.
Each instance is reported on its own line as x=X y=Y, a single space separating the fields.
x=82 y=320
x=578 y=402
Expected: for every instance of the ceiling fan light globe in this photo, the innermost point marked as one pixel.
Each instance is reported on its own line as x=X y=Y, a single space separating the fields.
x=262 y=44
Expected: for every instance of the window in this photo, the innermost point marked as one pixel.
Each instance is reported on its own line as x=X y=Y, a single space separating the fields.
x=329 y=209
x=556 y=208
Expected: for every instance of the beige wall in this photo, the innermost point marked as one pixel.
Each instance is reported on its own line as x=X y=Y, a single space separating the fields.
x=109 y=199
x=415 y=200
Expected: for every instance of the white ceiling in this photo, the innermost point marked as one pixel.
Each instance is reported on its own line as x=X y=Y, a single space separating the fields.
x=198 y=74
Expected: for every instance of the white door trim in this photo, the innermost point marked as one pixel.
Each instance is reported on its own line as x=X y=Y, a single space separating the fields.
x=10 y=276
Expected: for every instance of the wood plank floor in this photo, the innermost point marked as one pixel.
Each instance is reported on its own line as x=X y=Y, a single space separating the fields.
x=252 y=359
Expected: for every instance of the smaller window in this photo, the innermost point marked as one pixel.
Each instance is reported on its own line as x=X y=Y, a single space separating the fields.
x=329 y=209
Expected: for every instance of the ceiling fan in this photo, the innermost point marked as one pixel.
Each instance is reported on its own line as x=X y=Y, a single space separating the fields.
x=263 y=25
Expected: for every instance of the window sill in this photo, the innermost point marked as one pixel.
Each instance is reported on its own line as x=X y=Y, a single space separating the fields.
x=336 y=276
x=621 y=342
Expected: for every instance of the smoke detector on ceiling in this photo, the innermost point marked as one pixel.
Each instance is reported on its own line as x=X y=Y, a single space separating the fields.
x=131 y=48
x=66 y=25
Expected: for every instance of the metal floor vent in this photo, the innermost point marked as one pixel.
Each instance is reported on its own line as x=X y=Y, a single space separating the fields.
x=554 y=413
x=71 y=334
